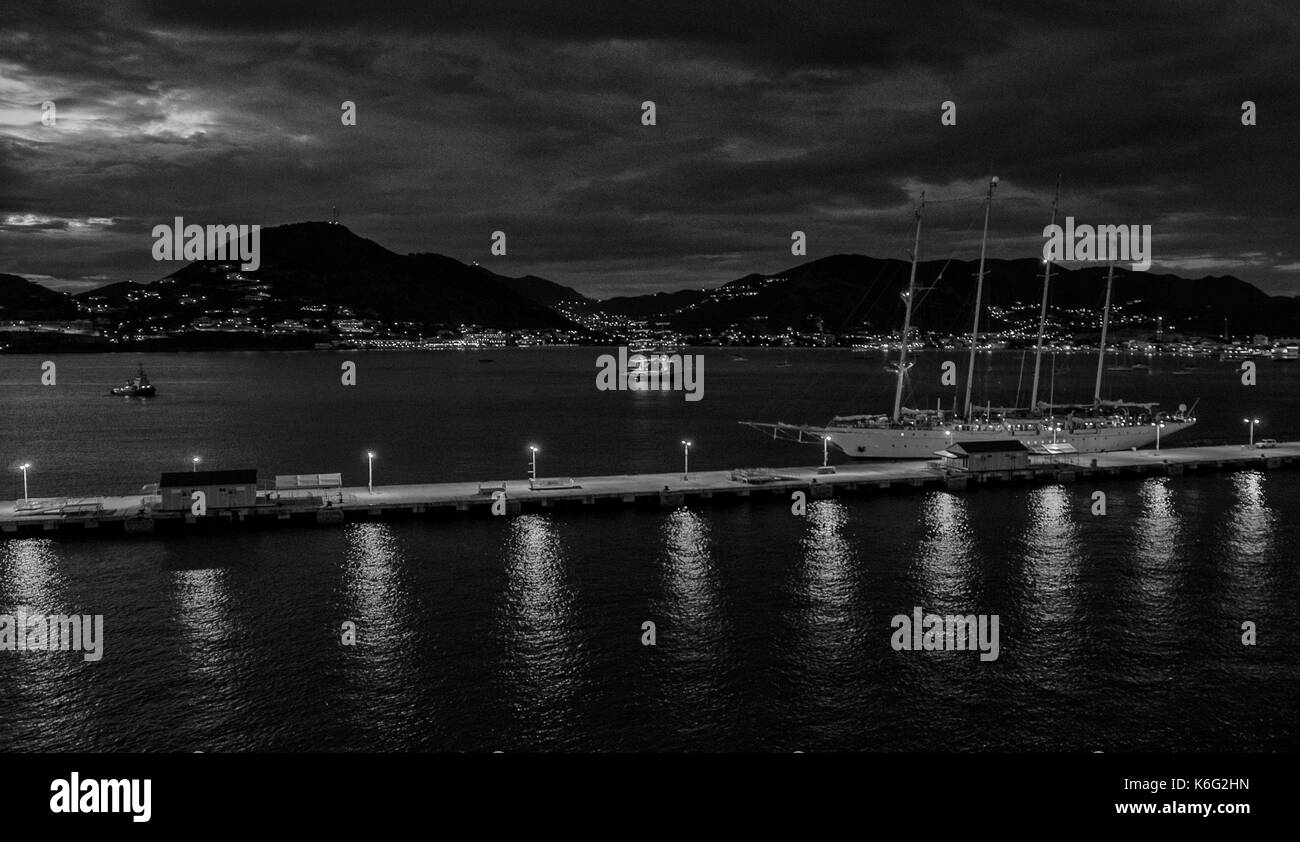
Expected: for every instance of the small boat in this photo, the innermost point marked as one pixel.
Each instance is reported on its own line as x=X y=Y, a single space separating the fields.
x=137 y=387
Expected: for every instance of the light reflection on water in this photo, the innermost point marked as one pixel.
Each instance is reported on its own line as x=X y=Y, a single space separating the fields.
x=1051 y=543
x=831 y=618
x=690 y=576
x=214 y=649
x=948 y=565
x=545 y=654
x=693 y=634
x=1158 y=565
x=382 y=674
x=1248 y=569
x=30 y=582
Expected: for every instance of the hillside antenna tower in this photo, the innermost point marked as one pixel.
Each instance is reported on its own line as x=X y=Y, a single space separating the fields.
x=334 y=215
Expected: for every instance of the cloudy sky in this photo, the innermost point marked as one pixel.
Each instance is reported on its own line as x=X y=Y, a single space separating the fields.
x=772 y=117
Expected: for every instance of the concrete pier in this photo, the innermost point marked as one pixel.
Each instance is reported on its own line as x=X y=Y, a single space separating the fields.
x=142 y=515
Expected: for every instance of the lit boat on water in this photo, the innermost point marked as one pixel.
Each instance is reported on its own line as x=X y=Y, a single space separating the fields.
x=137 y=387
x=906 y=433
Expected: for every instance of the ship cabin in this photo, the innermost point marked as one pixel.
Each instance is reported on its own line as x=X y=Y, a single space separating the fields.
x=980 y=457
x=221 y=489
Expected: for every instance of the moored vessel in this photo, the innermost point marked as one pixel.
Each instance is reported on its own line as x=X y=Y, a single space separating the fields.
x=1047 y=427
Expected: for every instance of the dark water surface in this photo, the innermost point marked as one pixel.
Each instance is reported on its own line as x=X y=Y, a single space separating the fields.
x=773 y=631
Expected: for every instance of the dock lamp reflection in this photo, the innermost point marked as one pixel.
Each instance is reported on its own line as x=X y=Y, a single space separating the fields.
x=1252 y=422
x=532 y=470
x=370 y=471
x=686 y=459
x=23 y=467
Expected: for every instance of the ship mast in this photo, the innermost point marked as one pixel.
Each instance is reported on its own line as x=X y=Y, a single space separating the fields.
x=979 y=296
x=1042 y=316
x=1105 y=324
x=907 y=318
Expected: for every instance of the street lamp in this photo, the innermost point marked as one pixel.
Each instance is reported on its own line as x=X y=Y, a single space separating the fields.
x=370 y=467
x=23 y=467
x=1252 y=422
x=532 y=475
x=1158 y=425
x=686 y=460
x=194 y=464
x=825 y=451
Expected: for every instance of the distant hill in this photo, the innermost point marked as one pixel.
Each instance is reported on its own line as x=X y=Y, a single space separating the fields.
x=328 y=264
x=22 y=299
x=844 y=291
x=321 y=263
x=544 y=292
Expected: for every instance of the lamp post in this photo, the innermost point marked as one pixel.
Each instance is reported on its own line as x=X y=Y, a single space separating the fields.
x=532 y=471
x=1158 y=425
x=826 y=440
x=1252 y=422
x=23 y=467
x=370 y=471
x=194 y=464
x=686 y=460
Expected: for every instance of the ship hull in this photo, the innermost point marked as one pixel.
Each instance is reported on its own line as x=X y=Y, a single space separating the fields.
x=895 y=443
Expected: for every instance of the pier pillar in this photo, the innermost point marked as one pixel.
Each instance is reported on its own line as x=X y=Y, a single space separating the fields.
x=139 y=526
x=671 y=500
x=329 y=516
x=820 y=492
x=50 y=526
x=955 y=483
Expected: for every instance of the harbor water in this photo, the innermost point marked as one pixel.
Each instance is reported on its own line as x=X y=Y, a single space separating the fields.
x=772 y=631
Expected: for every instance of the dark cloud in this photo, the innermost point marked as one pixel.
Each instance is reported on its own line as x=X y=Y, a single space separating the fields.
x=772 y=117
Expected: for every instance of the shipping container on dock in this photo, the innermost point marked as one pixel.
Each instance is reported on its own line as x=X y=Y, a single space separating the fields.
x=223 y=489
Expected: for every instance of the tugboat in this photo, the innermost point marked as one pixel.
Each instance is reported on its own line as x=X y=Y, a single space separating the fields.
x=137 y=387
